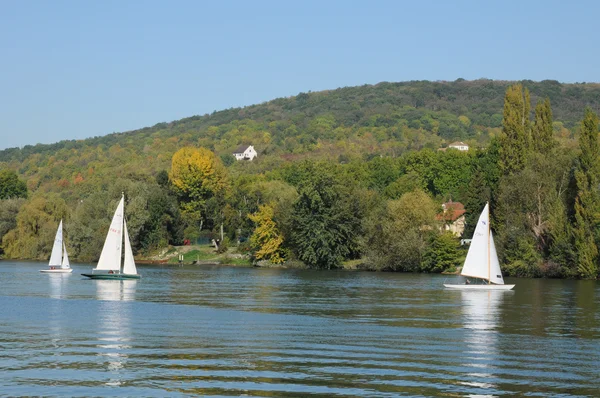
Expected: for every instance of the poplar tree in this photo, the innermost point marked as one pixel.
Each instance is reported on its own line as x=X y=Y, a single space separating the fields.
x=542 y=139
x=515 y=140
x=587 y=201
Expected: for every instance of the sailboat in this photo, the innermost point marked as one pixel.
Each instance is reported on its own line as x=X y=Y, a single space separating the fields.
x=111 y=265
x=59 y=259
x=482 y=260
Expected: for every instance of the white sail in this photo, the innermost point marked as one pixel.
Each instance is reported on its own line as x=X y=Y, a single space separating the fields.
x=495 y=273
x=55 y=257
x=110 y=258
x=129 y=262
x=65 y=260
x=476 y=263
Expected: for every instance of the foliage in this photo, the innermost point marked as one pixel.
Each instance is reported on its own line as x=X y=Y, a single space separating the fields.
x=399 y=240
x=37 y=220
x=587 y=201
x=325 y=224
x=266 y=240
x=442 y=254
x=198 y=177
x=515 y=138
x=350 y=173
x=542 y=133
x=11 y=187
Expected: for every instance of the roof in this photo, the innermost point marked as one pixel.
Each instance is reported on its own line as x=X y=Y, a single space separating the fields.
x=458 y=143
x=452 y=211
x=242 y=148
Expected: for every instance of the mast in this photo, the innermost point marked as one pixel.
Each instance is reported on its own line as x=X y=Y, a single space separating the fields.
x=488 y=245
x=123 y=234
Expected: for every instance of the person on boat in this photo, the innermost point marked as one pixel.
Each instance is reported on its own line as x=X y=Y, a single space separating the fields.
x=111 y=272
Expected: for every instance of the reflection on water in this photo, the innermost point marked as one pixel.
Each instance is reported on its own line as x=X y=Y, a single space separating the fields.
x=114 y=325
x=58 y=283
x=481 y=316
x=219 y=331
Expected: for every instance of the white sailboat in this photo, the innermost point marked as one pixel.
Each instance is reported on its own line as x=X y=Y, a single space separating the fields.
x=482 y=260
x=110 y=265
x=59 y=259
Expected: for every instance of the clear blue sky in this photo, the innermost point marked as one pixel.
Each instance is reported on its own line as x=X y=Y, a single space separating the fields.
x=78 y=69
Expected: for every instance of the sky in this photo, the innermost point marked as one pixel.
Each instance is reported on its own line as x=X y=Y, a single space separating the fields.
x=78 y=69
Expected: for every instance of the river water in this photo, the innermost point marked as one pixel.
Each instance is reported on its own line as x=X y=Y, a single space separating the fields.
x=227 y=331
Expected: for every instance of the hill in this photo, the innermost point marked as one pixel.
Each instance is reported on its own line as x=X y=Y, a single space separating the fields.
x=386 y=118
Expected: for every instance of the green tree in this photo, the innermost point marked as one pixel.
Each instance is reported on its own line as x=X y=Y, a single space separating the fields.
x=587 y=201
x=9 y=209
x=442 y=254
x=10 y=185
x=399 y=240
x=542 y=134
x=33 y=235
x=325 y=223
x=515 y=137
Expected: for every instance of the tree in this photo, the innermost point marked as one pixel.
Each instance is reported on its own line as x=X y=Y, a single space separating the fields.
x=9 y=209
x=33 y=235
x=10 y=185
x=398 y=241
x=325 y=222
x=587 y=201
x=542 y=134
x=266 y=240
x=515 y=137
x=442 y=254
x=197 y=176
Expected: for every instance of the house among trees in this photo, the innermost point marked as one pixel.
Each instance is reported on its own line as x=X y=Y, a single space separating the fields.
x=245 y=152
x=461 y=146
x=453 y=217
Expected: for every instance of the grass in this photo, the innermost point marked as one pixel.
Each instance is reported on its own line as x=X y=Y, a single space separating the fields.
x=200 y=254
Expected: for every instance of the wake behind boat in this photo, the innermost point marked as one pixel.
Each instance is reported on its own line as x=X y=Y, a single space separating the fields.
x=482 y=262
x=59 y=259
x=109 y=266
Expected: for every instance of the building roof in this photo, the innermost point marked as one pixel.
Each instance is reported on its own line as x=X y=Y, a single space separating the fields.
x=242 y=148
x=458 y=143
x=452 y=211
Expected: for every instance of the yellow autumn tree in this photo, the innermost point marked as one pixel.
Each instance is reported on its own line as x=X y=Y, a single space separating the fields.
x=198 y=177
x=266 y=240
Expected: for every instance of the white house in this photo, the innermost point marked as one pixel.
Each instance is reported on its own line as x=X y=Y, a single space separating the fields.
x=245 y=152
x=461 y=146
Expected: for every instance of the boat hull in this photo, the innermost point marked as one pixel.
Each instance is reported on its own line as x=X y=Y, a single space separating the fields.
x=112 y=276
x=479 y=287
x=57 y=271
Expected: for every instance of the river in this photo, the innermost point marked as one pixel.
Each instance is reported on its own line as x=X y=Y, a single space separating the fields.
x=227 y=331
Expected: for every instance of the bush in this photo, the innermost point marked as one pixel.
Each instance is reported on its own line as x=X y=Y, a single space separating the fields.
x=523 y=269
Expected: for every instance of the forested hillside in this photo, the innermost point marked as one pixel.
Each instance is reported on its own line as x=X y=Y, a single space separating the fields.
x=352 y=173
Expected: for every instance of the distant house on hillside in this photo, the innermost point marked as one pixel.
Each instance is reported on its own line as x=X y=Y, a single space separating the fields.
x=461 y=146
x=245 y=152
x=453 y=217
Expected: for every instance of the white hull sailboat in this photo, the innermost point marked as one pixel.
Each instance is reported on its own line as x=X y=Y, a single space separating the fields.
x=59 y=259
x=111 y=265
x=482 y=263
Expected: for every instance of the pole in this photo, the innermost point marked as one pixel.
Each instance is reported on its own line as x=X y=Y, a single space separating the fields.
x=489 y=241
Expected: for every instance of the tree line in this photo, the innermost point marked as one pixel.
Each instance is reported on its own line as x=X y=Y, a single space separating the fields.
x=377 y=207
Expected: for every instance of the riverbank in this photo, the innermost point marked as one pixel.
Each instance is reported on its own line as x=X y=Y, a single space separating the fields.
x=195 y=254
x=206 y=254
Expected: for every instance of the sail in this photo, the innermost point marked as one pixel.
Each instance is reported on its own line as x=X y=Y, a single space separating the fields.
x=110 y=258
x=55 y=257
x=495 y=273
x=65 y=260
x=129 y=263
x=476 y=263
